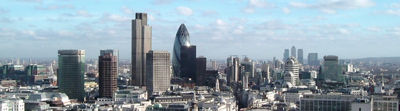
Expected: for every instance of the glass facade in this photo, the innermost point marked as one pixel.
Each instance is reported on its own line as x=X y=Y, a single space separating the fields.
x=71 y=70
x=184 y=55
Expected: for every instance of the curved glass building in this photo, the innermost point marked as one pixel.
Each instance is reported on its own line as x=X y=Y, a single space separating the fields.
x=184 y=55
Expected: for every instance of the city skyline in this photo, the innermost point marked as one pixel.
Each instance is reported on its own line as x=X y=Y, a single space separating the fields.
x=346 y=28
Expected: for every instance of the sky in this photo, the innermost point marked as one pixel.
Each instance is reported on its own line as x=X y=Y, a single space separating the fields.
x=259 y=29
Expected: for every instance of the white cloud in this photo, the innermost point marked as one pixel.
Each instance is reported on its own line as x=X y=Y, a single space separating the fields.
x=127 y=10
x=254 y=4
x=330 y=6
x=162 y=2
x=55 y=7
x=286 y=10
x=186 y=11
x=393 y=12
x=83 y=13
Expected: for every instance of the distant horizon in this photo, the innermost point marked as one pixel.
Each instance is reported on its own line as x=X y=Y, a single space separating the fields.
x=260 y=29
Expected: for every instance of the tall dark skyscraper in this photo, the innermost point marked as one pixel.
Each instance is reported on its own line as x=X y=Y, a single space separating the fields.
x=184 y=55
x=71 y=70
x=313 y=59
x=300 y=56
x=158 y=71
x=141 y=44
x=286 y=54
x=108 y=72
x=293 y=52
x=201 y=70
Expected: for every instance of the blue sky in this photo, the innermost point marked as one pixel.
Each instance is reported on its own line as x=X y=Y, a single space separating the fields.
x=260 y=29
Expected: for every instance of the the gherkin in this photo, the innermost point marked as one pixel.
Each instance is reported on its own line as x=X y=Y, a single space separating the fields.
x=184 y=55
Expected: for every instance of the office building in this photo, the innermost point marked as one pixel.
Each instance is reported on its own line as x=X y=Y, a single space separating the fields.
x=300 y=56
x=158 y=71
x=108 y=73
x=233 y=69
x=293 y=52
x=285 y=54
x=71 y=70
x=313 y=59
x=331 y=70
x=201 y=70
x=292 y=67
x=141 y=44
x=184 y=55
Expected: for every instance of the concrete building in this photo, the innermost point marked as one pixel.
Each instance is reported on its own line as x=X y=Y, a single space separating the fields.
x=71 y=70
x=108 y=72
x=158 y=71
x=331 y=70
x=141 y=44
x=291 y=65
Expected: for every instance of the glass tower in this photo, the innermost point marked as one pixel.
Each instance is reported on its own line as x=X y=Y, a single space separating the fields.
x=71 y=70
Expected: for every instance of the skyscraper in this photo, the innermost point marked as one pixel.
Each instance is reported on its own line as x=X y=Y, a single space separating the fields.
x=141 y=44
x=300 y=56
x=249 y=66
x=71 y=70
x=293 y=51
x=108 y=72
x=292 y=67
x=313 y=59
x=285 y=54
x=233 y=69
x=201 y=70
x=331 y=70
x=184 y=55
x=158 y=71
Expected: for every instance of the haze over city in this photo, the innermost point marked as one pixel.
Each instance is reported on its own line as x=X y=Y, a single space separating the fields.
x=260 y=29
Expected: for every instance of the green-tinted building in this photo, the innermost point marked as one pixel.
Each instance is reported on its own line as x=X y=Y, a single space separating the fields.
x=70 y=76
x=331 y=71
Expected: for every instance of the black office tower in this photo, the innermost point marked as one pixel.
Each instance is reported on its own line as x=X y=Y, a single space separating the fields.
x=188 y=62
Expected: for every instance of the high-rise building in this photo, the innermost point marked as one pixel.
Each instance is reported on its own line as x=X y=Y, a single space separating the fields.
x=285 y=54
x=293 y=52
x=300 y=56
x=214 y=65
x=292 y=67
x=141 y=44
x=249 y=66
x=71 y=70
x=201 y=70
x=184 y=55
x=233 y=69
x=158 y=71
x=313 y=59
x=265 y=72
x=245 y=81
x=331 y=70
x=108 y=72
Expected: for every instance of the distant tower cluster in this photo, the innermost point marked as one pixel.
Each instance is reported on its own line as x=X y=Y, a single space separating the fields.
x=233 y=68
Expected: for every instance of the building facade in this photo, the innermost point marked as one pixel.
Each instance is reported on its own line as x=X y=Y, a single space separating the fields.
x=71 y=70
x=313 y=59
x=141 y=44
x=108 y=72
x=158 y=71
x=184 y=55
x=292 y=67
x=300 y=56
